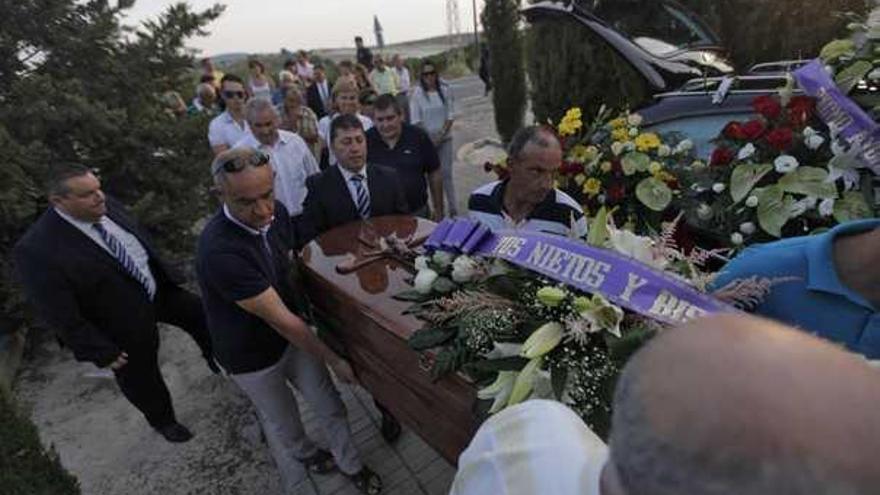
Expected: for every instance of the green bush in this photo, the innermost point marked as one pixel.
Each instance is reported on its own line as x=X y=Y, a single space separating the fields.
x=87 y=91
x=25 y=467
x=501 y=24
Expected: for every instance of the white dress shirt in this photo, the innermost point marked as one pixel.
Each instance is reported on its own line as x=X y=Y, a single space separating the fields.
x=352 y=189
x=225 y=130
x=403 y=78
x=293 y=163
x=324 y=131
x=133 y=247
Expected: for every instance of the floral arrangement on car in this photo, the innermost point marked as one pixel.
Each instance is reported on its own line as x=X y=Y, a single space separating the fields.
x=612 y=162
x=780 y=174
x=520 y=334
x=853 y=62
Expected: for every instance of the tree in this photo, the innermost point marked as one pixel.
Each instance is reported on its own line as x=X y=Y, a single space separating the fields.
x=78 y=86
x=504 y=38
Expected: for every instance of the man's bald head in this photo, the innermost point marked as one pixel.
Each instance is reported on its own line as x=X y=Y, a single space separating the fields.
x=739 y=405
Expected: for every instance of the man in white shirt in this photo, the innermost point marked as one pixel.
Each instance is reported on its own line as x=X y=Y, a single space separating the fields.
x=729 y=405
x=229 y=127
x=290 y=156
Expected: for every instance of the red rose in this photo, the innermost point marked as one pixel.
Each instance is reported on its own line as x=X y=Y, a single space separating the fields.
x=780 y=138
x=753 y=129
x=721 y=157
x=615 y=192
x=767 y=106
x=800 y=110
x=734 y=130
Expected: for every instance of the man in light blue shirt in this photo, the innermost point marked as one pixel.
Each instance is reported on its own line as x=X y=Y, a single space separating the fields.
x=829 y=283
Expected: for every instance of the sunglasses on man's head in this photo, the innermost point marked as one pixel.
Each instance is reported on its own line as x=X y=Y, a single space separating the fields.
x=239 y=163
x=234 y=94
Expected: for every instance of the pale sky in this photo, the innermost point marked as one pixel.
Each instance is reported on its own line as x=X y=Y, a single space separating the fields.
x=261 y=26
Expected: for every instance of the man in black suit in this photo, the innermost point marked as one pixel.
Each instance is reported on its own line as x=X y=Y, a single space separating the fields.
x=319 y=93
x=91 y=272
x=354 y=190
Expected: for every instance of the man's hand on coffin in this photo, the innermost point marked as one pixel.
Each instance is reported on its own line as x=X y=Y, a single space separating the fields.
x=269 y=307
x=343 y=371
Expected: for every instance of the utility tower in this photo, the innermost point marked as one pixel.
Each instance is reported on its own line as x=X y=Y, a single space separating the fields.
x=453 y=24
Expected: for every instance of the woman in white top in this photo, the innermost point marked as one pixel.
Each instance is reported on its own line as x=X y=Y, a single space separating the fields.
x=259 y=84
x=432 y=108
x=345 y=101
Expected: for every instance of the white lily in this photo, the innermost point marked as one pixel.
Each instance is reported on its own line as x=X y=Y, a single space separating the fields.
x=499 y=390
x=542 y=340
x=525 y=381
x=638 y=247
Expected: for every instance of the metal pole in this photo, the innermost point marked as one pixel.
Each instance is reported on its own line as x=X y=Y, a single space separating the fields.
x=476 y=28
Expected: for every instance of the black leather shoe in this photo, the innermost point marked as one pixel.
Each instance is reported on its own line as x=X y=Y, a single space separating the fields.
x=175 y=433
x=390 y=428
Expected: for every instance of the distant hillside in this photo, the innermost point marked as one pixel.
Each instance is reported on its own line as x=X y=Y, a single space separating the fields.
x=408 y=49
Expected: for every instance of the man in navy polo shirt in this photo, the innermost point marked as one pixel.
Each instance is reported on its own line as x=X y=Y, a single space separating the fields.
x=831 y=283
x=243 y=266
x=408 y=150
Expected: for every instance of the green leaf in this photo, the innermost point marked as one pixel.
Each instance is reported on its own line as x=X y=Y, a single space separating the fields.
x=598 y=233
x=809 y=181
x=744 y=177
x=773 y=211
x=836 y=49
x=558 y=378
x=443 y=285
x=654 y=193
x=411 y=295
x=847 y=78
x=851 y=206
x=430 y=337
x=635 y=161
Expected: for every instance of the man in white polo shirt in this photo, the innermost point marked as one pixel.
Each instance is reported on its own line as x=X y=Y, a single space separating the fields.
x=290 y=156
x=229 y=127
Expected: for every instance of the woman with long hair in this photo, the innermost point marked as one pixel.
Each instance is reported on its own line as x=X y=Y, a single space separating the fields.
x=432 y=108
x=259 y=84
x=362 y=78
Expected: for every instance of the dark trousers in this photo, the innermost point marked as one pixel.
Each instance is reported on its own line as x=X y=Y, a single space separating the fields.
x=140 y=379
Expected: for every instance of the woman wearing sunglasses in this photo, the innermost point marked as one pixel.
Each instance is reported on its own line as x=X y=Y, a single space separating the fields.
x=432 y=109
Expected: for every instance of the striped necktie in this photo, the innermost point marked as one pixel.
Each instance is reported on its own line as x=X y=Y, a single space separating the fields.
x=363 y=197
x=122 y=256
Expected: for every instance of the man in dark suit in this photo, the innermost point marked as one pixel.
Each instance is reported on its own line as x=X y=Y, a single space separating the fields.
x=91 y=272
x=354 y=190
x=319 y=93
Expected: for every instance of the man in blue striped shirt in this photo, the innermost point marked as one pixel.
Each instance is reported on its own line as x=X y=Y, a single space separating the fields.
x=528 y=199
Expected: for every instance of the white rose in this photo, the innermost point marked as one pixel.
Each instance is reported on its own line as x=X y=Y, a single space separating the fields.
x=752 y=201
x=736 y=238
x=719 y=187
x=785 y=164
x=629 y=146
x=633 y=131
x=684 y=146
x=826 y=207
x=814 y=141
x=443 y=258
x=664 y=151
x=424 y=280
x=463 y=269
x=747 y=228
x=704 y=211
x=421 y=263
x=746 y=152
x=617 y=147
x=634 y=119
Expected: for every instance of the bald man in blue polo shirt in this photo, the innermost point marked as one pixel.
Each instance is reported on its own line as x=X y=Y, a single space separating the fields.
x=833 y=288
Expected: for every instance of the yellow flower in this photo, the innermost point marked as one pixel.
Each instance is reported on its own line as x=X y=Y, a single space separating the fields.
x=647 y=141
x=581 y=154
x=618 y=123
x=664 y=176
x=605 y=167
x=592 y=186
x=620 y=134
x=571 y=122
x=655 y=167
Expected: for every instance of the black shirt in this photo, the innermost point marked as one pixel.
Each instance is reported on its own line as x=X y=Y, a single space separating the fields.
x=365 y=57
x=412 y=157
x=234 y=264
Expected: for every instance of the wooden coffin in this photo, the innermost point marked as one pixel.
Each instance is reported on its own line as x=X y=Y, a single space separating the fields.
x=361 y=315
